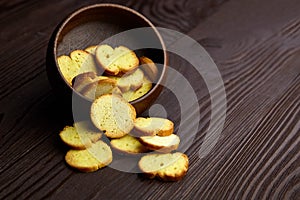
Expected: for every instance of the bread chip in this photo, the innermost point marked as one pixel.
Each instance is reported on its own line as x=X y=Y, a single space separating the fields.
x=120 y=60
x=133 y=95
x=91 y=49
x=153 y=126
x=128 y=145
x=79 y=138
x=84 y=60
x=82 y=80
x=167 y=167
x=113 y=114
x=101 y=87
x=91 y=159
x=132 y=81
x=161 y=143
x=68 y=68
x=149 y=67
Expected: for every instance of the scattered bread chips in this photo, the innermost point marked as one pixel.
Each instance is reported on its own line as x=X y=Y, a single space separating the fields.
x=126 y=78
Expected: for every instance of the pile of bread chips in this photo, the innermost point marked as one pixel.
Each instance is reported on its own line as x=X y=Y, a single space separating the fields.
x=132 y=79
x=126 y=78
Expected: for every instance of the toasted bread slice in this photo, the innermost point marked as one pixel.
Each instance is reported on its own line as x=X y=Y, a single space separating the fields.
x=82 y=80
x=68 y=68
x=153 y=126
x=113 y=114
x=128 y=145
x=120 y=60
x=161 y=143
x=131 y=81
x=167 y=167
x=79 y=139
x=133 y=95
x=84 y=60
x=149 y=67
x=91 y=159
x=101 y=87
x=91 y=49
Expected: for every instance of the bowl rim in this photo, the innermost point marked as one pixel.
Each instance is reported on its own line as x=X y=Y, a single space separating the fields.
x=100 y=5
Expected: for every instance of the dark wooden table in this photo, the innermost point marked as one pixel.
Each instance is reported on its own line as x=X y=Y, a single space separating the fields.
x=256 y=46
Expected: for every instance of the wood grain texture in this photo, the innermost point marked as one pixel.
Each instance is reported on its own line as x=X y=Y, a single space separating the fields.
x=180 y=15
x=256 y=45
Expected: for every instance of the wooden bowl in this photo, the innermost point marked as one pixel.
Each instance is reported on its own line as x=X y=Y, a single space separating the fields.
x=92 y=25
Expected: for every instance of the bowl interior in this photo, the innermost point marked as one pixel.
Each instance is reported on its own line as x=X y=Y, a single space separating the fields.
x=94 y=24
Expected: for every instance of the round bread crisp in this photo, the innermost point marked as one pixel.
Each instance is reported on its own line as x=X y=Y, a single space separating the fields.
x=68 y=67
x=113 y=114
x=128 y=145
x=79 y=138
x=161 y=143
x=167 y=167
x=131 y=81
x=116 y=61
x=91 y=49
x=84 y=60
x=101 y=87
x=133 y=95
x=152 y=126
x=91 y=159
x=149 y=67
x=82 y=80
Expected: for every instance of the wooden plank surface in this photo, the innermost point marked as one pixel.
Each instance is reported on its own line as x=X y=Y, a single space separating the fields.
x=256 y=46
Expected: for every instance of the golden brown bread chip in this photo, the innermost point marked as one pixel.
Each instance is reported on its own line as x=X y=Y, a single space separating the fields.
x=112 y=114
x=82 y=80
x=133 y=95
x=149 y=67
x=101 y=87
x=161 y=143
x=128 y=145
x=91 y=49
x=131 y=81
x=79 y=136
x=120 y=60
x=69 y=68
x=85 y=61
x=167 y=167
x=152 y=126
x=91 y=159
